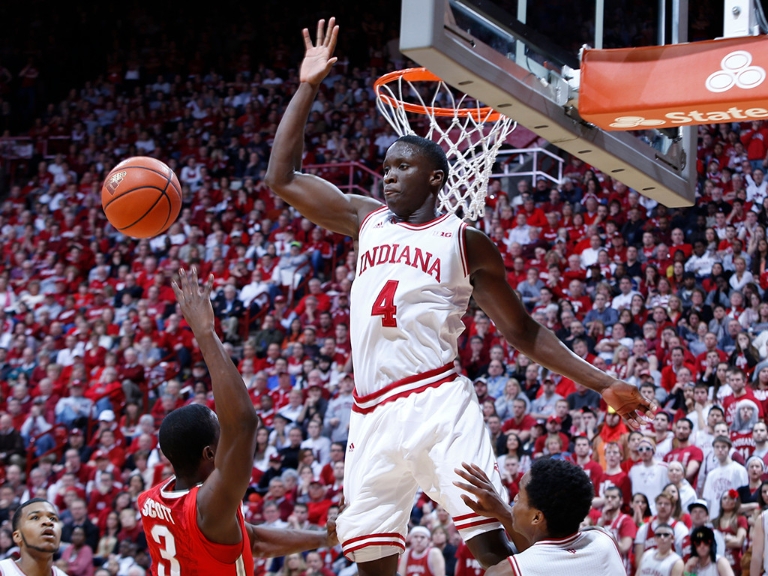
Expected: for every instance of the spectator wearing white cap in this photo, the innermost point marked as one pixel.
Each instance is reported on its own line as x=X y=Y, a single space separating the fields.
x=750 y=493
x=419 y=557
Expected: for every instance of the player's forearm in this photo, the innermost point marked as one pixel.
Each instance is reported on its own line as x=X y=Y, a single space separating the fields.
x=288 y=146
x=233 y=405
x=273 y=543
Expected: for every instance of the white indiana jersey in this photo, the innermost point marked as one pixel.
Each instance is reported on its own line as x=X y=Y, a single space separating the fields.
x=588 y=553
x=410 y=292
x=650 y=565
x=9 y=568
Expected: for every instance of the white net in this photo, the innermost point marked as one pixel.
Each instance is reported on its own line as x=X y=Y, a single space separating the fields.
x=470 y=134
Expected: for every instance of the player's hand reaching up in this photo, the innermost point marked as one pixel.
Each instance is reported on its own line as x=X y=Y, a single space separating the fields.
x=194 y=301
x=488 y=502
x=629 y=403
x=319 y=57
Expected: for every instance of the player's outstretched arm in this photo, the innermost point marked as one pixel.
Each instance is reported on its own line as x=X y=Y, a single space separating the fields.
x=272 y=542
x=318 y=200
x=275 y=542
x=222 y=492
x=497 y=299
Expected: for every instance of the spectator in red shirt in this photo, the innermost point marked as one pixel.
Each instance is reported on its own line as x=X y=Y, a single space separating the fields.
x=102 y=496
x=317 y=503
x=520 y=423
x=669 y=373
x=534 y=217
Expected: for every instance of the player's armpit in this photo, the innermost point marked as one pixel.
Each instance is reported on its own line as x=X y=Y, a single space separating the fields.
x=275 y=542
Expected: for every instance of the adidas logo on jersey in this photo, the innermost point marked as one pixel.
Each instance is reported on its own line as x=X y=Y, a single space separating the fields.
x=351 y=447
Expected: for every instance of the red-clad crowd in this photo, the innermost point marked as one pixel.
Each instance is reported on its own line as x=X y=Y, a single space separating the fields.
x=94 y=353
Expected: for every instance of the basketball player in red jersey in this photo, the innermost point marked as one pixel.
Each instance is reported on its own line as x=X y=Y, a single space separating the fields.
x=406 y=319
x=193 y=521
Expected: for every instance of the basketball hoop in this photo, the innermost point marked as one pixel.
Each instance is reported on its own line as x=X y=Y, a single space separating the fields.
x=471 y=134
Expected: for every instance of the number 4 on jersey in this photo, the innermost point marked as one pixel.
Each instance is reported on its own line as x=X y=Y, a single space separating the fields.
x=384 y=305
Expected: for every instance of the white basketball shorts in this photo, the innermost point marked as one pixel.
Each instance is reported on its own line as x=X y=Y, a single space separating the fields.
x=413 y=436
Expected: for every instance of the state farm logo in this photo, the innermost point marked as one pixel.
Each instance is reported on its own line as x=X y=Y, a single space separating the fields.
x=736 y=70
x=626 y=122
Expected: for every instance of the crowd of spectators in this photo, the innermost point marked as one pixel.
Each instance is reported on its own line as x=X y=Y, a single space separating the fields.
x=94 y=353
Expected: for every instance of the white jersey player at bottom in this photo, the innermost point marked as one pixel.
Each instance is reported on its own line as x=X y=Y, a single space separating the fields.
x=9 y=568
x=590 y=552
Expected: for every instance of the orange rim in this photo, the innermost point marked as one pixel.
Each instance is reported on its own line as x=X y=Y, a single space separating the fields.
x=484 y=114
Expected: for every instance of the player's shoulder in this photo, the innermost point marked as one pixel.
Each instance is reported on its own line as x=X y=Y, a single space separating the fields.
x=597 y=534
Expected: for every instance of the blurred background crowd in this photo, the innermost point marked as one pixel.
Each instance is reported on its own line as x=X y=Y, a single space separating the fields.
x=94 y=353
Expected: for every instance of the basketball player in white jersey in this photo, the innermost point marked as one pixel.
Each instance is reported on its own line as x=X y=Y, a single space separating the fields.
x=37 y=532
x=555 y=496
x=421 y=559
x=414 y=418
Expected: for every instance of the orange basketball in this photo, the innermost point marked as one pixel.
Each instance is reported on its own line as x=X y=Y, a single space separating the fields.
x=141 y=197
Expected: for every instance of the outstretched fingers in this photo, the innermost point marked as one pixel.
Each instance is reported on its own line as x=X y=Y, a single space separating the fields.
x=307 y=39
x=333 y=34
x=208 y=288
x=320 y=38
x=475 y=476
x=193 y=281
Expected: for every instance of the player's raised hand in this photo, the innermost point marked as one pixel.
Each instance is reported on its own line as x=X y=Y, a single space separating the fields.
x=319 y=57
x=629 y=403
x=194 y=300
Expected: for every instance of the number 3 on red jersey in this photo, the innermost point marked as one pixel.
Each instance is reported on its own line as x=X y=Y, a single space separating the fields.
x=384 y=305
x=167 y=552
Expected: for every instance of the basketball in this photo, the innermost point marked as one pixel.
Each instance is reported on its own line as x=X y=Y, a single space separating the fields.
x=141 y=197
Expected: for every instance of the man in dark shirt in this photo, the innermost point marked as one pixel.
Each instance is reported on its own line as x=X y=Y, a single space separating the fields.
x=79 y=511
x=11 y=443
x=583 y=398
x=290 y=453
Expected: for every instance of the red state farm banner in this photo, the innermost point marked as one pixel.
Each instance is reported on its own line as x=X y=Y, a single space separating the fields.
x=675 y=85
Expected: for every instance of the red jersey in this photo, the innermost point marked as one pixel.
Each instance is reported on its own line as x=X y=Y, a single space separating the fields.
x=685 y=455
x=593 y=470
x=743 y=443
x=621 y=527
x=466 y=565
x=176 y=544
x=418 y=566
x=621 y=481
